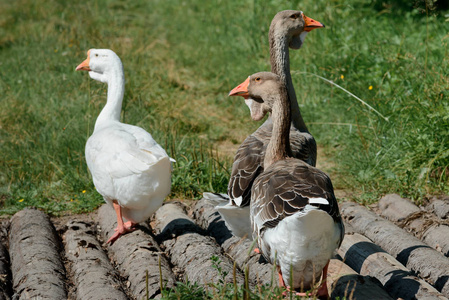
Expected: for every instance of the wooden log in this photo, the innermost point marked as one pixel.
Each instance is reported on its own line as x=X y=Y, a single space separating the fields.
x=344 y=283
x=191 y=251
x=424 y=225
x=5 y=274
x=240 y=250
x=439 y=205
x=37 y=268
x=437 y=237
x=395 y=208
x=92 y=273
x=367 y=258
x=135 y=254
x=407 y=249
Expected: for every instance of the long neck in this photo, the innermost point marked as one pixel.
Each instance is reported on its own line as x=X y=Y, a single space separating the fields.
x=113 y=107
x=280 y=65
x=279 y=146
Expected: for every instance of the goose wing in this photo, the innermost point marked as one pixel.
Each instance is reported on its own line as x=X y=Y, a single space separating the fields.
x=248 y=164
x=286 y=188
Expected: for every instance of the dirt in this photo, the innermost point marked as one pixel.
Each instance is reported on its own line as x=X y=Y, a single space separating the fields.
x=66 y=257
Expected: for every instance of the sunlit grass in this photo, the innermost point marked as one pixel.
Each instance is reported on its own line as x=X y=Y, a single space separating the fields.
x=181 y=59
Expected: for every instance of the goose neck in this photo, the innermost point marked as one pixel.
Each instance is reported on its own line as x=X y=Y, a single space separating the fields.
x=279 y=146
x=280 y=65
x=113 y=107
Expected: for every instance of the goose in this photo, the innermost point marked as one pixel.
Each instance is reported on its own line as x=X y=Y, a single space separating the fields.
x=293 y=211
x=129 y=168
x=288 y=29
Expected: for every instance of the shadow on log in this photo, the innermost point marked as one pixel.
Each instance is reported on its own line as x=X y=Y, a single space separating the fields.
x=407 y=249
x=345 y=283
x=260 y=271
x=367 y=258
x=191 y=251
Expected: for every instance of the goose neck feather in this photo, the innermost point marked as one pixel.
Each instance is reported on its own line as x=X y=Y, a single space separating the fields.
x=279 y=146
x=280 y=65
x=115 y=79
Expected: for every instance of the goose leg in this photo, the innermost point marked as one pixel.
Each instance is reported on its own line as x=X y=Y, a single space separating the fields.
x=282 y=284
x=322 y=292
x=122 y=228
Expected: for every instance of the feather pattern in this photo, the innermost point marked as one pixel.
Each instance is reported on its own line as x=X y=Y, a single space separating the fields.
x=248 y=161
x=286 y=188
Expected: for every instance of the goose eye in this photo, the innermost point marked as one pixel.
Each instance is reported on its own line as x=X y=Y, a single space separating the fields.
x=294 y=17
x=257 y=79
x=96 y=54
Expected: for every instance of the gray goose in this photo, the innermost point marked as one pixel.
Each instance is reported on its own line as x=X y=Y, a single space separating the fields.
x=288 y=29
x=293 y=211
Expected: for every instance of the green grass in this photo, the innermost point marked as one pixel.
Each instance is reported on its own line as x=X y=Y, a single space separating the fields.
x=181 y=58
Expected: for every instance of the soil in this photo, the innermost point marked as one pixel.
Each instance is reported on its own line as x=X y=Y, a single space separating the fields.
x=391 y=251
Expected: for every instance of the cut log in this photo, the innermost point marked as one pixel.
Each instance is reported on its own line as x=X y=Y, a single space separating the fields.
x=367 y=258
x=190 y=251
x=439 y=206
x=424 y=225
x=136 y=254
x=407 y=249
x=37 y=268
x=344 y=283
x=395 y=208
x=93 y=275
x=5 y=274
x=260 y=271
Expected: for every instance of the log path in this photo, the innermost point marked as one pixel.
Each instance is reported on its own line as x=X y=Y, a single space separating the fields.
x=394 y=250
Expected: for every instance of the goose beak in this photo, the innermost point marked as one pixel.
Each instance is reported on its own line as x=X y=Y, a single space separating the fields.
x=311 y=24
x=241 y=89
x=84 y=66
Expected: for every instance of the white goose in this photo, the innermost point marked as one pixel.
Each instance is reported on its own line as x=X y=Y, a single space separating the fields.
x=288 y=29
x=294 y=213
x=129 y=168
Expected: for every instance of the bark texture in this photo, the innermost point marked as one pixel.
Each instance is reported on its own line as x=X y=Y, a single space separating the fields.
x=191 y=251
x=424 y=225
x=439 y=206
x=345 y=283
x=135 y=254
x=37 y=268
x=5 y=274
x=407 y=249
x=240 y=250
x=93 y=275
x=367 y=258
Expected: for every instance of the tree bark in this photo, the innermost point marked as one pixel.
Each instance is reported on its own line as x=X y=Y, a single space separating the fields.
x=439 y=206
x=345 y=283
x=93 y=275
x=5 y=274
x=191 y=251
x=37 y=268
x=395 y=208
x=135 y=254
x=367 y=258
x=260 y=271
x=407 y=249
x=424 y=225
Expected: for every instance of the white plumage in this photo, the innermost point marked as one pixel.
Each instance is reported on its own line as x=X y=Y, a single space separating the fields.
x=129 y=168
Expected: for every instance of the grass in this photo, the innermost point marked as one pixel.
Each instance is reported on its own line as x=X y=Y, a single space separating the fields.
x=181 y=59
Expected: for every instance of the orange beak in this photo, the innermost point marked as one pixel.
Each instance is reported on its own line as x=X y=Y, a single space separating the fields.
x=311 y=24
x=84 y=66
x=241 y=89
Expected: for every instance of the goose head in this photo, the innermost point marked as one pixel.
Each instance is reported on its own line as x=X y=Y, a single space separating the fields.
x=101 y=64
x=260 y=88
x=294 y=25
